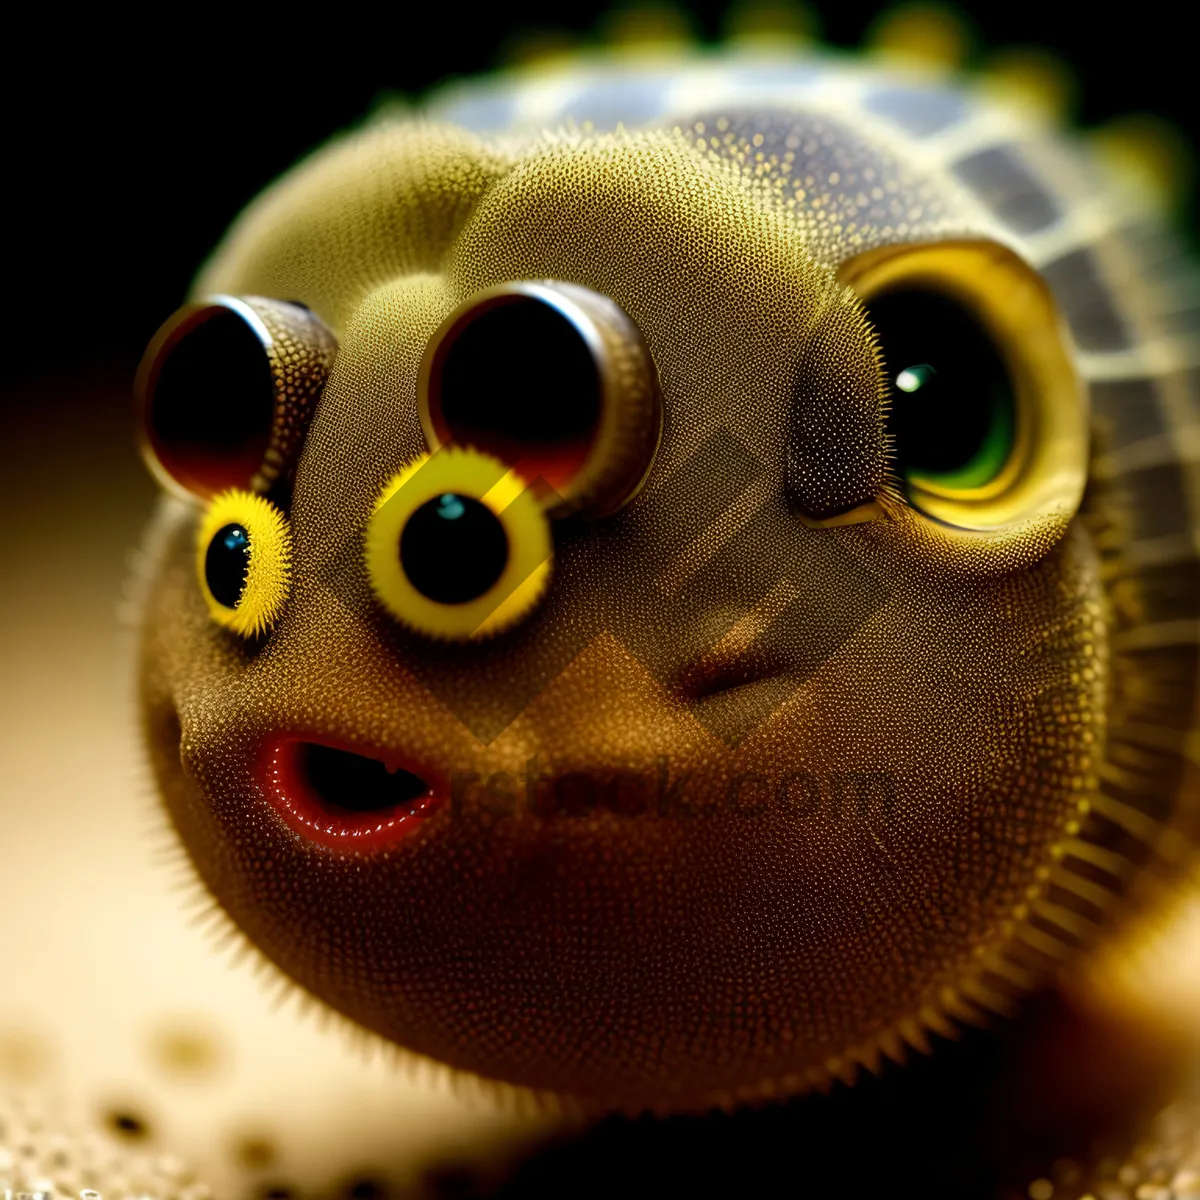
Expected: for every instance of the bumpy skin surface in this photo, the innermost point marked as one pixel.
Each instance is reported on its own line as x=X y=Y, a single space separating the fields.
x=702 y=633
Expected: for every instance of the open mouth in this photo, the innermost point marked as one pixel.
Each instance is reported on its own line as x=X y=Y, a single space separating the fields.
x=341 y=798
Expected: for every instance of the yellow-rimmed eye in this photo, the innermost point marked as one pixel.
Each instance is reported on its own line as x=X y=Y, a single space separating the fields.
x=458 y=546
x=985 y=419
x=244 y=561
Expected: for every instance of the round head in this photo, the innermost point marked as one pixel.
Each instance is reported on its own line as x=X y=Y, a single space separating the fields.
x=676 y=668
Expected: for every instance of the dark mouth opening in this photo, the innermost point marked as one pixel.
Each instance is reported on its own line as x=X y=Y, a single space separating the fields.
x=352 y=783
x=339 y=798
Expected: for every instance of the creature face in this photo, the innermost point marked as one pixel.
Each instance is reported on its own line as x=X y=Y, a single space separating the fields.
x=776 y=769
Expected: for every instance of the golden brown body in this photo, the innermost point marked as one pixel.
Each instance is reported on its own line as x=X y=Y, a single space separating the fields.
x=940 y=693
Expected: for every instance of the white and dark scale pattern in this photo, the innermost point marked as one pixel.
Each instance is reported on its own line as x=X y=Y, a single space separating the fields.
x=300 y=355
x=1128 y=292
x=1132 y=302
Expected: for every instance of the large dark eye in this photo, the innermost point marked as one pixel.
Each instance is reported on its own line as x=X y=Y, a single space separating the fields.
x=458 y=547
x=225 y=391
x=985 y=410
x=227 y=564
x=243 y=561
x=952 y=414
x=453 y=548
x=552 y=379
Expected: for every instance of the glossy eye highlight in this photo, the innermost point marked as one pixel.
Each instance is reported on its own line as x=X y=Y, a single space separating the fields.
x=243 y=561
x=952 y=412
x=458 y=546
x=984 y=413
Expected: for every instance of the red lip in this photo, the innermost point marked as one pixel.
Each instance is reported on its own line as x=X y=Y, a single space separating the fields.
x=340 y=798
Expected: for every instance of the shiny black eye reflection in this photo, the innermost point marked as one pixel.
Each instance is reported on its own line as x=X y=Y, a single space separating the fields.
x=953 y=410
x=453 y=548
x=227 y=564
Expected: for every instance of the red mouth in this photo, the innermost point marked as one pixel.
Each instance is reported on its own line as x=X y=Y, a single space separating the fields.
x=342 y=799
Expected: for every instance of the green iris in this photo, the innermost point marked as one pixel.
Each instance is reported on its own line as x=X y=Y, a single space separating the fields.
x=952 y=417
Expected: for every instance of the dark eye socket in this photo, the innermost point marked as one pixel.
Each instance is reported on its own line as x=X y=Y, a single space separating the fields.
x=952 y=415
x=209 y=413
x=520 y=382
x=551 y=378
x=225 y=391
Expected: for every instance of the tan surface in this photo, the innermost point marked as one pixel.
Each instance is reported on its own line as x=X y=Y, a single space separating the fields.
x=108 y=994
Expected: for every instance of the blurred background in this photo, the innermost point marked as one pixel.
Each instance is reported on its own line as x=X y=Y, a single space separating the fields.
x=129 y=149
x=129 y=146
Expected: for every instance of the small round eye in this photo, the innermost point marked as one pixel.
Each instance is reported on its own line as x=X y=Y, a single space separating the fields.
x=458 y=546
x=552 y=379
x=952 y=408
x=243 y=560
x=984 y=409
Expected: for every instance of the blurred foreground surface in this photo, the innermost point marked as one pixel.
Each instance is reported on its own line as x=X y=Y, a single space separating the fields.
x=120 y=1014
x=115 y=1005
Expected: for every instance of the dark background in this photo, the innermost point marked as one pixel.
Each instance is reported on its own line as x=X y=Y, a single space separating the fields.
x=129 y=147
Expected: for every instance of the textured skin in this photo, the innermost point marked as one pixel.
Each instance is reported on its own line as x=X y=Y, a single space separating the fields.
x=1026 y=694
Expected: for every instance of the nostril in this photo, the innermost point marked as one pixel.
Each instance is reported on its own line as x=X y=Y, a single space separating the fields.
x=341 y=798
x=354 y=783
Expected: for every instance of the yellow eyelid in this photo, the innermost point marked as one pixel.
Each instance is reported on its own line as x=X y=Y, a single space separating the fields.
x=510 y=498
x=1047 y=467
x=873 y=510
x=268 y=575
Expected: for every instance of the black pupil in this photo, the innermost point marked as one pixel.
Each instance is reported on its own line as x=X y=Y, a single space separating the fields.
x=453 y=549
x=227 y=563
x=951 y=395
